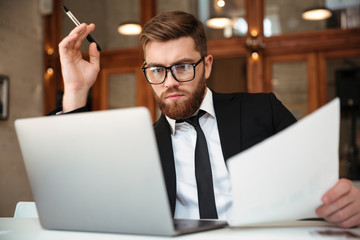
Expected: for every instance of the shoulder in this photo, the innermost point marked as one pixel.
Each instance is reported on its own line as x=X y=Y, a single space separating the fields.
x=247 y=98
x=262 y=108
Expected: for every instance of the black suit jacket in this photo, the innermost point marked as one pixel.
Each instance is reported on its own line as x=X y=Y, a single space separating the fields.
x=243 y=119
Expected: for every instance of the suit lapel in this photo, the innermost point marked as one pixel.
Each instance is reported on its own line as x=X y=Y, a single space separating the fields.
x=163 y=137
x=227 y=109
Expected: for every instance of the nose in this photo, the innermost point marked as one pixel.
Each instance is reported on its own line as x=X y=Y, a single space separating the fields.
x=170 y=81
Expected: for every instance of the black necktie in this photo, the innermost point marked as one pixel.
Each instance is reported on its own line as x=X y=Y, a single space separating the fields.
x=204 y=182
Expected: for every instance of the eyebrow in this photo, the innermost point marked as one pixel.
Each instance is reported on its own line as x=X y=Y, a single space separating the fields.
x=180 y=61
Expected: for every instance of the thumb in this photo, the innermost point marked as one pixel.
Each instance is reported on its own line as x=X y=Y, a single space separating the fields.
x=94 y=54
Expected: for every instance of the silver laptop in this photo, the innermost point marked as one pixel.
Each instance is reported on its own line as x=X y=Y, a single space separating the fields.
x=100 y=171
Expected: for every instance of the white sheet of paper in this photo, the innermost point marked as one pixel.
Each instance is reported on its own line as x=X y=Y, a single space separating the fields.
x=284 y=177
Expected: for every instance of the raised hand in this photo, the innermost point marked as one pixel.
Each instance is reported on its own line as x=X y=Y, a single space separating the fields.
x=78 y=74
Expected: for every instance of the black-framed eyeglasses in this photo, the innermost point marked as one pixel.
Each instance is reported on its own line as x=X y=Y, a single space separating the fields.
x=184 y=72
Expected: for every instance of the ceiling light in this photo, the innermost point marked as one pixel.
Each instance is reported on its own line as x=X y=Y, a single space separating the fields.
x=129 y=28
x=218 y=22
x=316 y=14
x=221 y=3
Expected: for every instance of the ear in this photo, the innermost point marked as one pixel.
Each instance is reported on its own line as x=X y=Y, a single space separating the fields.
x=208 y=65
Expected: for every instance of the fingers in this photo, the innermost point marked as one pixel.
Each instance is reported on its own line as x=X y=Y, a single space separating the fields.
x=341 y=205
x=348 y=216
x=342 y=187
x=67 y=43
x=75 y=38
x=351 y=222
x=83 y=33
x=336 y=198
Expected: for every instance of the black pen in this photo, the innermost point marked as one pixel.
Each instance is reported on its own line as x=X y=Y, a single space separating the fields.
x=77 y=23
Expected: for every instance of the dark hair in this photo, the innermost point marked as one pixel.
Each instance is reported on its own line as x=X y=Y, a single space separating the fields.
x=173 y=25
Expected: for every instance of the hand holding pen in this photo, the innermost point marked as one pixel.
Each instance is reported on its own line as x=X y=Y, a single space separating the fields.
x=77 y=23
x=78 y=74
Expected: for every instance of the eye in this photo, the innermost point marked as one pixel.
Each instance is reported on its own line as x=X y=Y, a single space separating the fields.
x=156 y=70
x=182 y=67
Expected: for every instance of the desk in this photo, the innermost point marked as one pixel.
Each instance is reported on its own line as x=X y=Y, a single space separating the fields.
x=30 y=229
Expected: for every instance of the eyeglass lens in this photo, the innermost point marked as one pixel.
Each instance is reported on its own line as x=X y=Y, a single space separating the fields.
x=181 y=72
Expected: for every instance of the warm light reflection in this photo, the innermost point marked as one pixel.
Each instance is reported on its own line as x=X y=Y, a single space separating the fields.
x=254 y=56
x=50 y=71
x=218 y=23
x=254 y=33
x=130 y=29
x=50 y=51
x=316 y=14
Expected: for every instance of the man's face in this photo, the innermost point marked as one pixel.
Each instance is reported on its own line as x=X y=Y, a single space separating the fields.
x=178 y=100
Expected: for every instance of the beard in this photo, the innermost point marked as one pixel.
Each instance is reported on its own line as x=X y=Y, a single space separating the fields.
x=182 y=109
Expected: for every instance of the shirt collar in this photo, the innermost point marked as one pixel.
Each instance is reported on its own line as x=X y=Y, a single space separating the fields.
x=206 y=105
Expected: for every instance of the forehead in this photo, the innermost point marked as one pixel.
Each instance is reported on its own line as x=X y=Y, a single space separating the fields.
x=168 y=52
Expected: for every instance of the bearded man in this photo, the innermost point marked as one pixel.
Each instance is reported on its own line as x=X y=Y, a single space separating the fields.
x=199 y=129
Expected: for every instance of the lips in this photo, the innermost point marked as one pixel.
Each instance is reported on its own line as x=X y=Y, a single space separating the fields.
x=174 y=96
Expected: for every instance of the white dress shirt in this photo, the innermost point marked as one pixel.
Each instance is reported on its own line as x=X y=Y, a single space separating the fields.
x=183 y=141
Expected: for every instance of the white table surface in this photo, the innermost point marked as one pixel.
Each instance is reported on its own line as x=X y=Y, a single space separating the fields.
x=30 y=229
